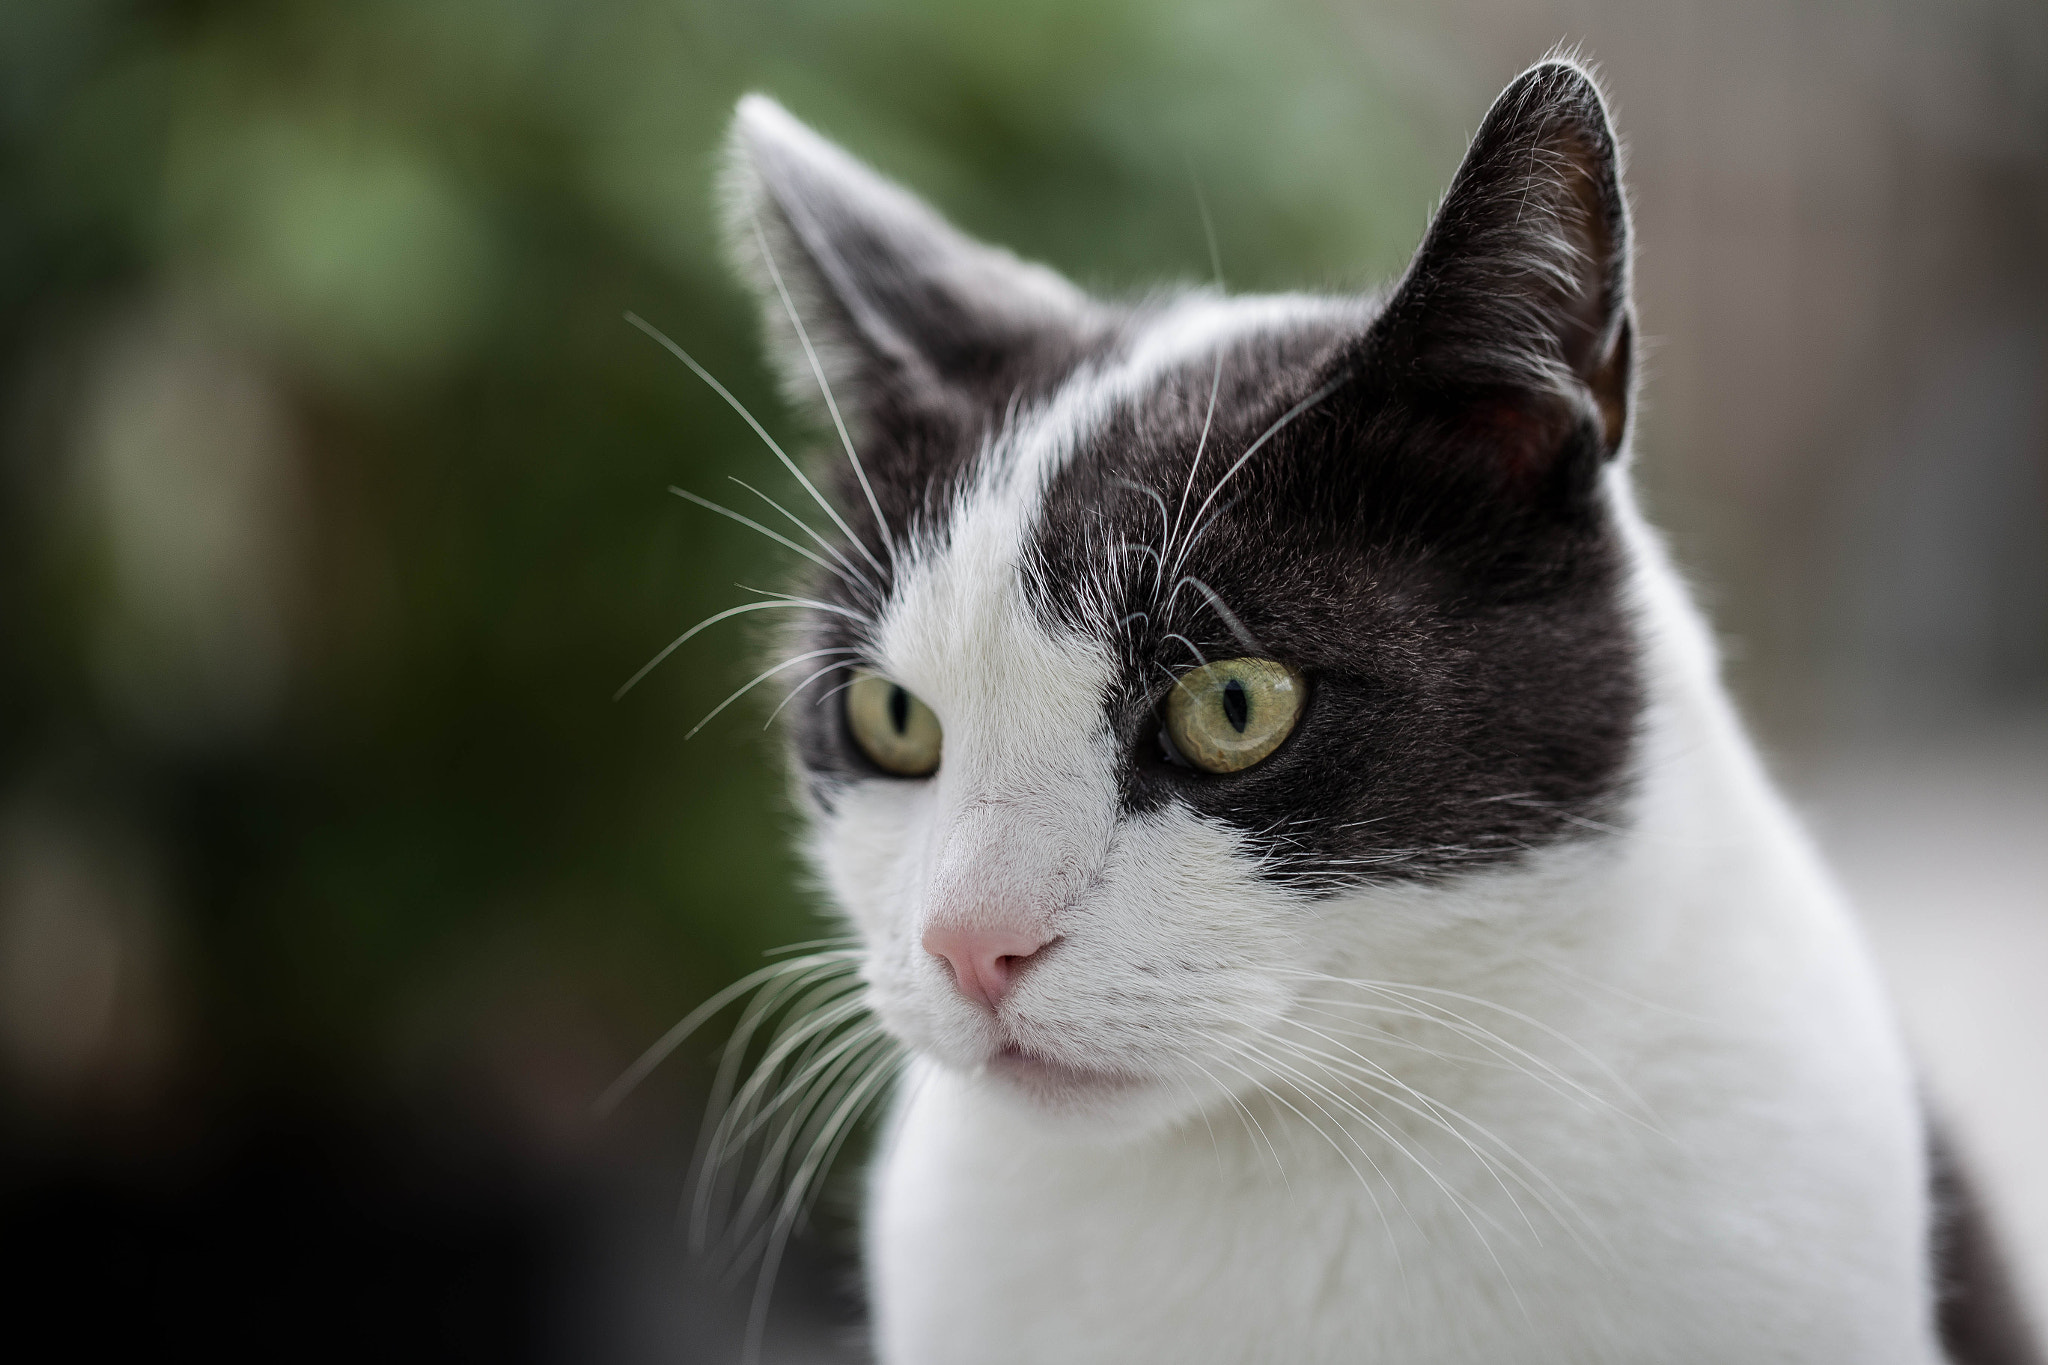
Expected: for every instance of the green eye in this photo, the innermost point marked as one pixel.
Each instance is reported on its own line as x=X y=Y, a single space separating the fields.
x=1226 y=716
x=893 y=728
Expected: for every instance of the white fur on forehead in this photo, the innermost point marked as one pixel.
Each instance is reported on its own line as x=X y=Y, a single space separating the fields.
x=977 y=564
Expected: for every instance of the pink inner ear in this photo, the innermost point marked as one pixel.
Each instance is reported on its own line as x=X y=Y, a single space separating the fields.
x=1522 y=434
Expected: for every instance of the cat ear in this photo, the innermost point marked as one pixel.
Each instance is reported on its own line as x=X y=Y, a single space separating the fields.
x=897 y=305
x=1515 y=312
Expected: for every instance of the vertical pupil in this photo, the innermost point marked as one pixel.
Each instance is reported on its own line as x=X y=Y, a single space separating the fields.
x=899 y=709
x=1237 y=706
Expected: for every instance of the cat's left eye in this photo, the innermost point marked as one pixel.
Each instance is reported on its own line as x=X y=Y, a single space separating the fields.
x=1224 y=717
x=895 y=730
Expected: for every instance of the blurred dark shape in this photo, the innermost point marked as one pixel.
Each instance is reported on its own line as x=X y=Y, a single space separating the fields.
x=332 y=886
x=325 y=1237
x=298 y=1240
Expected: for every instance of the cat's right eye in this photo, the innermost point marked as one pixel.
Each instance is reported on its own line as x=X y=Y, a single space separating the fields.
x=897 y=732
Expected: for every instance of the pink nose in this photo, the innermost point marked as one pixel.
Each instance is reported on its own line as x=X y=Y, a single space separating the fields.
x=985 y=962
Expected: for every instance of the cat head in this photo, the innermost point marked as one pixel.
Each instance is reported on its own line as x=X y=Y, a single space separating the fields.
x=1172 y=651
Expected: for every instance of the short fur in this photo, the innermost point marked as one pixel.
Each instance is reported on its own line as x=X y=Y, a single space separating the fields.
x=1504 y=1013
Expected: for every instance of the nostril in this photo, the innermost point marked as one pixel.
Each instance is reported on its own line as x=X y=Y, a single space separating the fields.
x=985 y=963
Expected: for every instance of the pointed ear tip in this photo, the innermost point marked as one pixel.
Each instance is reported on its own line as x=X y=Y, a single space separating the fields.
x=765 y=147
x=758 y=119
x=1563 y=78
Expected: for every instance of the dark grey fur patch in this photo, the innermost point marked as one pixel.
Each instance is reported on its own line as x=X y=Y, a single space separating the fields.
x=1426 y=541
x=1472 y=677
x=1978 y=1308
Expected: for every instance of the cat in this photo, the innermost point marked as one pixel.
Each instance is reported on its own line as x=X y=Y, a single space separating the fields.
x=1294 y=835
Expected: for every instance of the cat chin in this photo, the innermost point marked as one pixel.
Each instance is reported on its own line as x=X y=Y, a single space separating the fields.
x=1077 y=1102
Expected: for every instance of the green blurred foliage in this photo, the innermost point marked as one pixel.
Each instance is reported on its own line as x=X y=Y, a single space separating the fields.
x=410 y=228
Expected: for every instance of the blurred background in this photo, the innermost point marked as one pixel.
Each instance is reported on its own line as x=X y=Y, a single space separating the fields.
x=334 y=885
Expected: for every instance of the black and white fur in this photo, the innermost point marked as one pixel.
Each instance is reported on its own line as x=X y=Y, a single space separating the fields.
x=1504 y=1013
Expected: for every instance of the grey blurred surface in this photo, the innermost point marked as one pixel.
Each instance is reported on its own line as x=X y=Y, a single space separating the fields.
x=1943 y=844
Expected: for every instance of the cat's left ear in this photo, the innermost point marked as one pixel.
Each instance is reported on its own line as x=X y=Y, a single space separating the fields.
x=902 y=311
x=1515 y=313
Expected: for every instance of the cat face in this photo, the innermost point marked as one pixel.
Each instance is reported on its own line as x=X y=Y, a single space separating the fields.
x=1170 y=646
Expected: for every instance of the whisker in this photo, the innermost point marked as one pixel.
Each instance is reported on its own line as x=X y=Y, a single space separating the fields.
x=860 y=616
x=1389 y=1038
x=827 y=669
x=775 y=536
x=705 y=1163
x=1378 y=1210
x=816 y=1091
x=1195 y=1102
x=746 y=1114
x=1194 y=466
x=1285 y=418
x=759 y=430
x=726 y=615
x=1436 y=1106
x=694 y=1020
x=1259 y=1056
x=1229 y=617
x=836 y=691
x=1199 y=656
x=765 y=1145
x=1215 y=377
x=827 y=546
x=1458 y=1202
x=1361 y=1075
x=762 y=677
x=1246 y=1116
x=1151 y=493
x=1504 y=1051
x=836 y=1128
x=1397 y=989
x=1127 y=546
x=831 y=406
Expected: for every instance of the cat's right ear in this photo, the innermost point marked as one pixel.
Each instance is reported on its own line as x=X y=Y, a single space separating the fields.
x=899 y=309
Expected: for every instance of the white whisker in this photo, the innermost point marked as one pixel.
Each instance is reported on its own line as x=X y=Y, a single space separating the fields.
x=1411 y=993
x=822 y=1150
x=762 y=677
x=1463 y=1206
x=1393 y=1242
x=773 y=535
x=1195 y=465
x=1230 y=617
x=1246 y=1116
x=791 y=465
x=1270 y=432
x=726 y=615
x=1199 y=656
x=695 y=1019
x=846 y=565
x=831 y=405
x=827 y=669
x=1153 y=494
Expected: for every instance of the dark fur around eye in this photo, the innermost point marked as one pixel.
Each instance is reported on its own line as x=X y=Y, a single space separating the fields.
x=1476 y=692
x=1425 y=535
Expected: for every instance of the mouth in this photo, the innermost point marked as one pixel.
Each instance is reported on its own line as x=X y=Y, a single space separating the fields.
x=1047 y=1079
